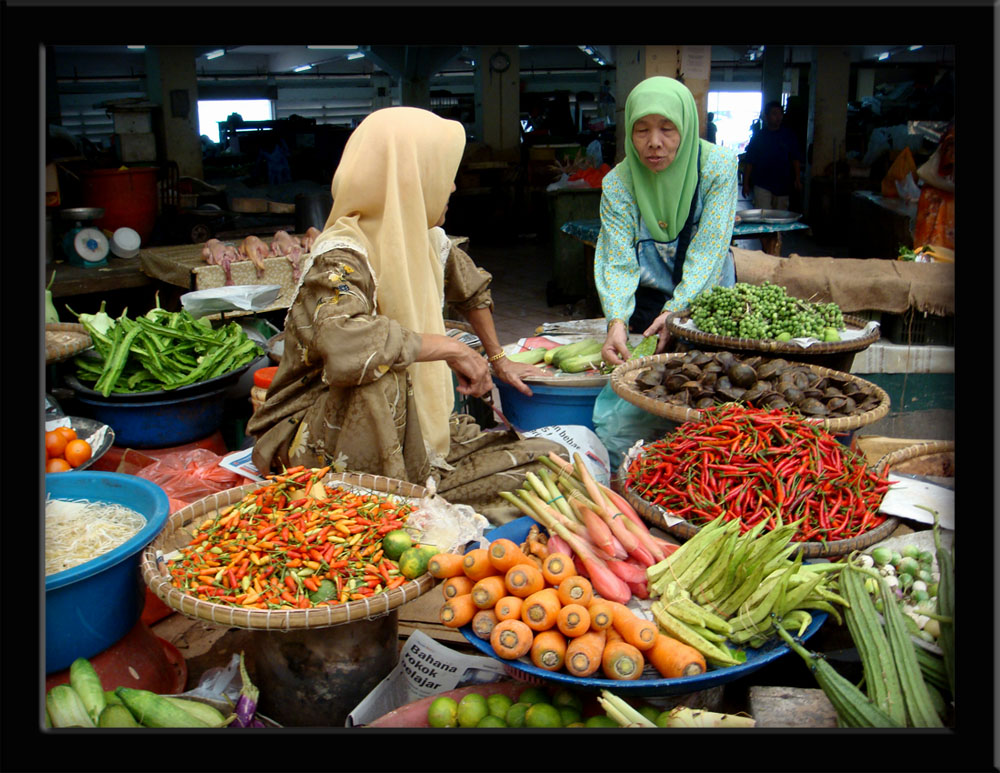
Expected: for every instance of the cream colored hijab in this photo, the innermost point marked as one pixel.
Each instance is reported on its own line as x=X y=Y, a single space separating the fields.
x=390 y=188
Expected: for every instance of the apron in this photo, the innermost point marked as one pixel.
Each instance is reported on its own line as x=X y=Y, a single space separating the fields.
x=661 y=265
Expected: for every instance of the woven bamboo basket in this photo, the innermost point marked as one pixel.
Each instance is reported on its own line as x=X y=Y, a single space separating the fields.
x=771 y=346
x=684 y=530
x=936 y=457
x=176 y=534
x=64 y=340
x=623 y=383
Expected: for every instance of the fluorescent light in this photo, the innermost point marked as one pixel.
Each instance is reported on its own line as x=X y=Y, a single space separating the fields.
x=136 y=48
x=883 y=56
x=356 y=55
x=915 y=48
x=215 y=54
x=303 y=68
x=346 y=48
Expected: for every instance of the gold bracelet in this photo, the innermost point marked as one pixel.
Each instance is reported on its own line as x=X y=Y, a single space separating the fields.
x=616 y=320
x=496 y=357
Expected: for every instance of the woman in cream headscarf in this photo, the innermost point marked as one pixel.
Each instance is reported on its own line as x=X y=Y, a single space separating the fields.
x=667 y=215
x=365 y=382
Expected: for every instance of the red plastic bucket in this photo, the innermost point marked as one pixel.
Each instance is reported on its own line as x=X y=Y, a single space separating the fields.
x=127 y=196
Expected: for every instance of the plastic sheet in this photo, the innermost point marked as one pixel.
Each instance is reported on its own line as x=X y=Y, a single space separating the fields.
x=190 y=474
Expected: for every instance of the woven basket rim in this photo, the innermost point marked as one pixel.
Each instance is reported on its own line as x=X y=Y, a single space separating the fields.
x=684 y=529
x=905 y=454
x=273 y=619
x=682 y=414
x=771 y=346
x=61 y=351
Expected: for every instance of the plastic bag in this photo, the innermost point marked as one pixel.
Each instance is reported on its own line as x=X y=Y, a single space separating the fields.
x=904 y=166
x=444 y=525
x=190 y=474
x=619 y=424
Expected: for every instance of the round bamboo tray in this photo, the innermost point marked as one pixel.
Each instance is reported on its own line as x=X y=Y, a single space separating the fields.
x=771 y=346
x=64 y=340
x=175 y=535
x=623 y=383
x=936 y=457
x=684 y=530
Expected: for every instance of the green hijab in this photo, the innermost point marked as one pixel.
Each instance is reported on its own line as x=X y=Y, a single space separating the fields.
x=662 y=196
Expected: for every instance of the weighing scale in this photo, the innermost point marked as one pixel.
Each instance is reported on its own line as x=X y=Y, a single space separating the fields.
x=85 y=245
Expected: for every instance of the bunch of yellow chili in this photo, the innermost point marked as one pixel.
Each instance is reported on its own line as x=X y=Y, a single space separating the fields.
x=290 y=545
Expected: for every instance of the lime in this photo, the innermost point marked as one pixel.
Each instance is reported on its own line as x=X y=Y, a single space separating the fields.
x=413 y=562
x=515 y=714
x=395 y=542
x=542 y=715
x=326 y=590
x=498 y=703
x=491 y=720
x=831 y=334
x=533 y=695
x=662 y=719
x=566 y=697
x=471 y=709
x=568 y=715
x=649 y=712
x=443 y=712
x=576 y=724
x=600 y=720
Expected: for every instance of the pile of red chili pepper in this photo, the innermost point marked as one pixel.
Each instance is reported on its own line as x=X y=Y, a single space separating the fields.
x=277 y=547
x=740 y=462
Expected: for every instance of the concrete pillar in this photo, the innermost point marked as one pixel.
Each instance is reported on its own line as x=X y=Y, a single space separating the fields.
x=772 y=79
x=172 y=83
x=828 y=97
x=866 y=84
x=498 y=102
x=636 y=63
x=415 y=92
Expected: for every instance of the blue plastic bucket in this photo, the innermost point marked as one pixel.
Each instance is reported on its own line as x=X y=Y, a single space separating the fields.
x=160 y=423
x=92 y=606
x=549 y=405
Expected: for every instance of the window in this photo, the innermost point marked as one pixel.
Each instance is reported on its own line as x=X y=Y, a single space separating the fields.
x=212 y=111
x=735 y=111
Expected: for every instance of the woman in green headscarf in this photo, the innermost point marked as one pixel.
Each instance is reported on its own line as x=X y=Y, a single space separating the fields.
x=667 y=214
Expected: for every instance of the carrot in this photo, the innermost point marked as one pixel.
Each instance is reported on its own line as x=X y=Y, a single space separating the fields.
x=511 y=639
x=621 y=661
x=456 y=586
x=541 y=609
x=573 y=620
x=509 y=608
x=445 y=565
x=674 y=659
x=524 y=579
x=576 y=589
x=602 y=616
x=548 y=650
x=637 y=631
x=504 y=554
x=483 y=622
x=476 y=564
x=583 y=653
x=557 y=567
x=458 y=611
x=488 y=591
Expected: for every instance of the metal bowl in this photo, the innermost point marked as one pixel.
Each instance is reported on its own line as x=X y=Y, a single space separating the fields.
x=773 y=216
x=82 y=213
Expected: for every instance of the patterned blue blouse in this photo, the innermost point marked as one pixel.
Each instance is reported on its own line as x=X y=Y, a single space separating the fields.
x=625 y=257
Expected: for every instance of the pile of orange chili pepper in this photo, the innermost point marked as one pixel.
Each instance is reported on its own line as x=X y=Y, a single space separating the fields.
x=745 y=463
x=274 y=548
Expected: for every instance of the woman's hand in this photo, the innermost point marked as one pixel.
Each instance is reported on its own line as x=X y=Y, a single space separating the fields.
x=615 y=349
x=469 y=367
x=514 y=373
x=658 y=327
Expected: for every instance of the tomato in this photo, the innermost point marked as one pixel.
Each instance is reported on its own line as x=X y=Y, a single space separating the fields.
x=77 y=452
x=67 y=432
x=55 y=444
x=57 y=465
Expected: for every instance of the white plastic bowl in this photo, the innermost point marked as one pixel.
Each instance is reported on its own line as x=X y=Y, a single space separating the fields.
x=125 y=243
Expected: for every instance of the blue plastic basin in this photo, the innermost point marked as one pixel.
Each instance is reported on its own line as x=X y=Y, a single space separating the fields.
x=549 y=405
x=92 y=606
x=160 y=423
